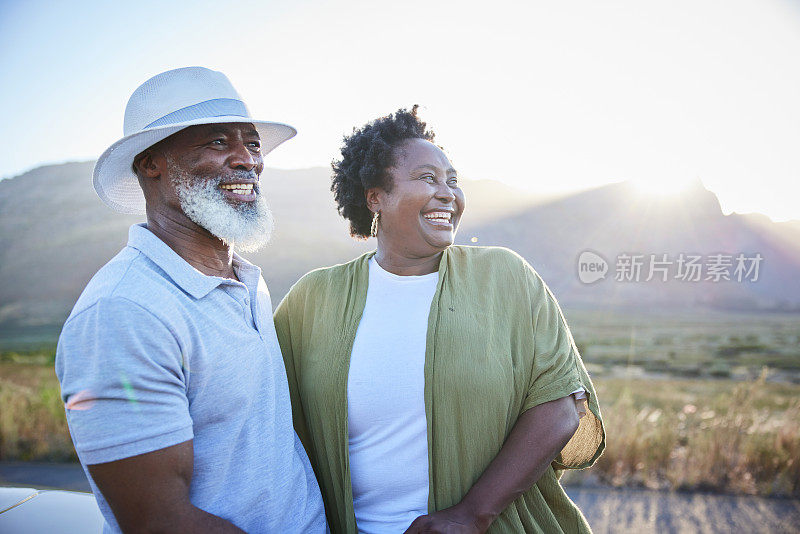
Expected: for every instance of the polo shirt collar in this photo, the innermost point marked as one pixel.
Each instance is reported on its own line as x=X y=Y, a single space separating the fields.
x=247 y=272
x=189 y=279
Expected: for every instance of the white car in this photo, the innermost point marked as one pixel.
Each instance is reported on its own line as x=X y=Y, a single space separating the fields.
x=27 y=510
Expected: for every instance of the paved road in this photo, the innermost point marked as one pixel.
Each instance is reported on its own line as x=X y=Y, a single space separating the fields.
x=607 y=510
x=43 y=475
x=642 y=511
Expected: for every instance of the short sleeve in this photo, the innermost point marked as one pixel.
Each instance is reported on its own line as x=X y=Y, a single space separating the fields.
x=557 y=371
x=122 y=382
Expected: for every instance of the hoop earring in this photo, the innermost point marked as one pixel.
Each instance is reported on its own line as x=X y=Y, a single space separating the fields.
x=373 y=230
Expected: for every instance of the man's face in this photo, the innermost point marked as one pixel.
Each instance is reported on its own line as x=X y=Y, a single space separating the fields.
x=214 y=172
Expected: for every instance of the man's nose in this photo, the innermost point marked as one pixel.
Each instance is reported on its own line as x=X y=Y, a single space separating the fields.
x=243 y=158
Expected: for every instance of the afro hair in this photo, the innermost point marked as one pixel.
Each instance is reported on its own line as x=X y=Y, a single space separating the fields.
x=366 y=155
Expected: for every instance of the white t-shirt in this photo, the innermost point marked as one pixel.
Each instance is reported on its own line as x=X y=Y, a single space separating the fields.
x=388 y=435
x=387 y=439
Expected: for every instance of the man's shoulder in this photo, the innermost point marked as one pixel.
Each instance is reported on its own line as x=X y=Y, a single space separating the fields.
x=130 y=276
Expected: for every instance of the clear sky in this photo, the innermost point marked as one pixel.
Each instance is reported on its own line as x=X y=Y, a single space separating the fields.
x=547 y=96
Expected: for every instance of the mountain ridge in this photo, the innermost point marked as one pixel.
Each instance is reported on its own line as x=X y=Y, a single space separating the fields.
x=55 y=233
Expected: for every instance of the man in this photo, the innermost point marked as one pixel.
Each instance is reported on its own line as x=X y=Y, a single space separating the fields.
x=170 y=370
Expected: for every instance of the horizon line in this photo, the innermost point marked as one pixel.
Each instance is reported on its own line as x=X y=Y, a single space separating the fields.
x=547 y=196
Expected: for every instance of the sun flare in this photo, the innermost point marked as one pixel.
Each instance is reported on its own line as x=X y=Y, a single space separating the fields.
x=663 y=188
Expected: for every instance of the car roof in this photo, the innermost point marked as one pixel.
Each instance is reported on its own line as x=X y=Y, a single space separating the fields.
x=24 y=510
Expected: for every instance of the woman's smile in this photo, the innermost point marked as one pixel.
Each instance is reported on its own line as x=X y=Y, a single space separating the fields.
x=439 y=218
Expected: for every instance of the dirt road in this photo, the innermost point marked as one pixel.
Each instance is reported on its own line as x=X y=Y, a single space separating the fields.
x=607 y=510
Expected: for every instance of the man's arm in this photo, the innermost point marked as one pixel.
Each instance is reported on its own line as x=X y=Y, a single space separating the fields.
x=150 y=493
x=537 y=437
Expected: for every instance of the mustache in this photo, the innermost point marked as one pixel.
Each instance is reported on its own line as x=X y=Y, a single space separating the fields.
x=184 y=175
x=239 y=174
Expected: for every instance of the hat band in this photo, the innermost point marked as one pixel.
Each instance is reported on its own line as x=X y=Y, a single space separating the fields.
x=218 y=107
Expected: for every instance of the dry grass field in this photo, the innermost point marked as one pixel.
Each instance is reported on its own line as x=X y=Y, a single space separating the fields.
x=708 y=435
x=32 y=421
x=738 y=437
x=688 y=344
x=704 y=402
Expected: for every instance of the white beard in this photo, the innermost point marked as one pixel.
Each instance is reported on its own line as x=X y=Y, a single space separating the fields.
x=246 y=226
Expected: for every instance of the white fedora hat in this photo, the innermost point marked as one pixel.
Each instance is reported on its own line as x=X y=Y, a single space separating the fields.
x=162 y=106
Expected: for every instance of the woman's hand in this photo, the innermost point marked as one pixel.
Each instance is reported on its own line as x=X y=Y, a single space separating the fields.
x=537 y=437
x=453 y=520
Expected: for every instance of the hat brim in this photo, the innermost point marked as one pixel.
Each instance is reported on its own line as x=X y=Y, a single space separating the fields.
x=117 y=185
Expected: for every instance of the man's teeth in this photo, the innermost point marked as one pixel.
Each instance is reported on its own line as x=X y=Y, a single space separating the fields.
x=239 y=189
x=443 y=216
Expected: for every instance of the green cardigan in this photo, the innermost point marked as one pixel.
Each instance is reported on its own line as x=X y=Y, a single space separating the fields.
x=497 y=345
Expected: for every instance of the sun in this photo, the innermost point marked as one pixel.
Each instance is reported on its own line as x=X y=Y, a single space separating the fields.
x=664 y=187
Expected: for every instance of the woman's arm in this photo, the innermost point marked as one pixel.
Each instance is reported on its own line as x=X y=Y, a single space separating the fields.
x=537 y=437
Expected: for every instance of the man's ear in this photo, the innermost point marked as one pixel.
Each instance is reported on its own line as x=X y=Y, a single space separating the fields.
x=146 y=165
x=374 y=196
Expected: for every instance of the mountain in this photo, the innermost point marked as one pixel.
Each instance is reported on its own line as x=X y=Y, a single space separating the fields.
x=617 y=219
x=55 y=233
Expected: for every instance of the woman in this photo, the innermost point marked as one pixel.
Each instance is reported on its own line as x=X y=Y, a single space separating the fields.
x=431 y=384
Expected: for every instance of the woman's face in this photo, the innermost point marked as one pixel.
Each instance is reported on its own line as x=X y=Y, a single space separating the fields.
x=420 y=215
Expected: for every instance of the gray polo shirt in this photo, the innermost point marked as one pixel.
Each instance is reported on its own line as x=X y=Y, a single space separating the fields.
x=156 y=353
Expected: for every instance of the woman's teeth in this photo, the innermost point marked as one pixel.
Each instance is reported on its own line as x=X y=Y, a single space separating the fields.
x=439 y=216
